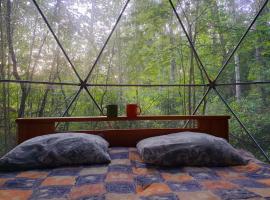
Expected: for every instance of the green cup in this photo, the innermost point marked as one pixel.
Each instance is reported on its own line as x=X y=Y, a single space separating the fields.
x=112 y=110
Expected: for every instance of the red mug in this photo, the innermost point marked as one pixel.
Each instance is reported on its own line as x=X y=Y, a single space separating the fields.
x=133 y=110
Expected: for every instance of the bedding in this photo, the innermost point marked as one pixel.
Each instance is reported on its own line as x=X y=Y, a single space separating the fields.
x=189 y=149
x=127 y=177
x=53 y=150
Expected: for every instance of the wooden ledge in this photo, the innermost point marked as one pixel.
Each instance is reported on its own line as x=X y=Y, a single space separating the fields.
x=213 y=125
x=122 y=118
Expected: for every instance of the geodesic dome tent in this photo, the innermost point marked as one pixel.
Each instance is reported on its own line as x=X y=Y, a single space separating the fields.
x=66 y=58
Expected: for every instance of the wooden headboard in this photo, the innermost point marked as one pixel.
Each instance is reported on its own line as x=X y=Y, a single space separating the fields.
x=214 y=125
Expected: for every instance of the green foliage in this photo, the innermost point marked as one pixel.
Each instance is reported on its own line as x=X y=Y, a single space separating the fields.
x=148 y=47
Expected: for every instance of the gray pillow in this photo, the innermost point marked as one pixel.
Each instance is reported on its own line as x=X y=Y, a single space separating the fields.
x=54 y=150
x=189 y=149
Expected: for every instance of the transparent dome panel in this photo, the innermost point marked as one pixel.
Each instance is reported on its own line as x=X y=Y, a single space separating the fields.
x=250 y=61
x=84 y=104
x=37 y=101
x=147 y=47
x=251 y=108
x=215 y=27
x=81 y=27
x=152 y=100
x=30 y=52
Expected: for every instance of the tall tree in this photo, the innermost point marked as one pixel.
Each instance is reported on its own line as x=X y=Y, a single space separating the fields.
x=235 y=21
x=259 y=47
x=12 y=54
x=4 y=106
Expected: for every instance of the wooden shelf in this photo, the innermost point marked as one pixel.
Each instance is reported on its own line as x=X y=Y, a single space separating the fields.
x=213 y=125
x=120 y=118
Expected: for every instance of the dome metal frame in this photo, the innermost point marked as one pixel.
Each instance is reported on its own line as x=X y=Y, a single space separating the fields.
x=211 y=85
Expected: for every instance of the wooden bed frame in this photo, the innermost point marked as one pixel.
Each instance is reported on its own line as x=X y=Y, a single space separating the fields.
x=214 y=125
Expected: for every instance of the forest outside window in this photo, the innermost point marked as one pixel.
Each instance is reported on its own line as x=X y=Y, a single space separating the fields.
x=160 y=56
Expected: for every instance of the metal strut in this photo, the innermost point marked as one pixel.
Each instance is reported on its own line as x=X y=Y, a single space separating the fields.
x=107 y=40
x=198 y=106
x=70 y=104
x=243 y=126
x=56 y=39
x=82 y=83
x=39 y=82
x=241 y=40
x=211 y=85
x=190 y=41
x=129 y=85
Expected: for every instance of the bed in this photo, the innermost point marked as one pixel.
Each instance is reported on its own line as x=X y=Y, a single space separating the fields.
x=127 y=176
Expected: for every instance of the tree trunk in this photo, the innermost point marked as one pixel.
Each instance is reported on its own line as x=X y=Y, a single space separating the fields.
x=109 y=72
x=192 y=35
x=56 y=61
x=237 y=76
x=260 y=64
x=182 y=76
x=194 y=43
x=31 y=50
x=171 y=103
x=4 y=101
x=120 y=67
x=191 y=74
x=216 y=16
x=15 y=73
x=236 y=55
x=2 y=64
x=43 y=103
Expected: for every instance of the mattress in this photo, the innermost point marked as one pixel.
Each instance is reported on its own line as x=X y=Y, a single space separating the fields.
x=128 y=177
